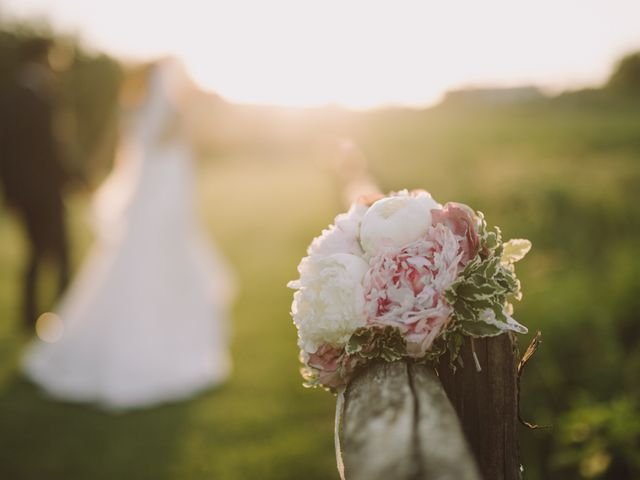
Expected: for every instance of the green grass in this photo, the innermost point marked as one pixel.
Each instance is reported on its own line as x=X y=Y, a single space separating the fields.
x=565 y=176
x=262 y=424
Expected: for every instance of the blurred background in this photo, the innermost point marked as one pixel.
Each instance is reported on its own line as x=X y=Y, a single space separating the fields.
x=528 y=112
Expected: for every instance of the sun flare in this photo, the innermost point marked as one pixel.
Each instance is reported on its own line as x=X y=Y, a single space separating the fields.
x=358 y=54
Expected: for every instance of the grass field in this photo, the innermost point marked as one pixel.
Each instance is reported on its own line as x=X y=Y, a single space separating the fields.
x=566 y=176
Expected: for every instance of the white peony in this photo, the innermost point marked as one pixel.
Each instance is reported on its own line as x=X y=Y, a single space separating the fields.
x=342 y=236
x=329 y=304
x=396 y=221
x=424 y=196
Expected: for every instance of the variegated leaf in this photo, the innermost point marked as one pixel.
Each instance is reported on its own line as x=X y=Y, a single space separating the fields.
x=514 y=250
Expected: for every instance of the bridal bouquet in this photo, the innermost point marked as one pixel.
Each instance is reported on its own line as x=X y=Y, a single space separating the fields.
x=401 y=277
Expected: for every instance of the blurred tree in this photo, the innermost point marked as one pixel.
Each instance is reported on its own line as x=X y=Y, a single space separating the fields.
x=11 y=40
x=86 y=99
x=626 y=76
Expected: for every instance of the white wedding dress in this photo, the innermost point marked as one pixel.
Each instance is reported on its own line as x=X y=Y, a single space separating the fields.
x=145 y=319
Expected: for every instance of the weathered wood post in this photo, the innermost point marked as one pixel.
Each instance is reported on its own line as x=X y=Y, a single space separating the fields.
x=395 y=422
x=487 y=403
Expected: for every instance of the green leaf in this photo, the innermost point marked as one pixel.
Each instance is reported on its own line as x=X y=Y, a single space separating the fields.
x=454 y=344
x=514 y=250
x=481 y=303
x=502 y=321
x=491 y=241
x=369 y=343
x=356 y=342
x=450 y=294
x=471 y=266
x=479 y=329
x=515 y=326
x=463 y=311
x=508 y=281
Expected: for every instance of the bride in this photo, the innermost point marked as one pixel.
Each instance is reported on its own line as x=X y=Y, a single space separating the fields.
x=145 y=320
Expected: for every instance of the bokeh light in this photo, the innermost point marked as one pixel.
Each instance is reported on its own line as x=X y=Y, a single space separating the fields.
x=49 y=327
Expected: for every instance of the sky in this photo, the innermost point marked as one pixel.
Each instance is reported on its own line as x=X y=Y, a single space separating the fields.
x=359 y=54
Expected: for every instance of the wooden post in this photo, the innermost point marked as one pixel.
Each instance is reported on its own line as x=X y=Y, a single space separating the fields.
x=487 y=403
x=395 y=422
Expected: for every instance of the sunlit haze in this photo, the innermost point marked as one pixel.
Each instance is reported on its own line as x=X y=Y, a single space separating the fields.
x=356 y=53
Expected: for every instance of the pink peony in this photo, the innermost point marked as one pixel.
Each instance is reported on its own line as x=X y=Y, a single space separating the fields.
x=463 y=222
x=333 y=366
x=404 y=288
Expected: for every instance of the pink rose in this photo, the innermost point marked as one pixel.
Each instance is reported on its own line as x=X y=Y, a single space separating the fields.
x=463 y=222
x=404 y=288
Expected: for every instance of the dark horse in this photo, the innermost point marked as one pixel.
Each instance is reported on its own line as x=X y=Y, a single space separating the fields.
x=30 y=169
